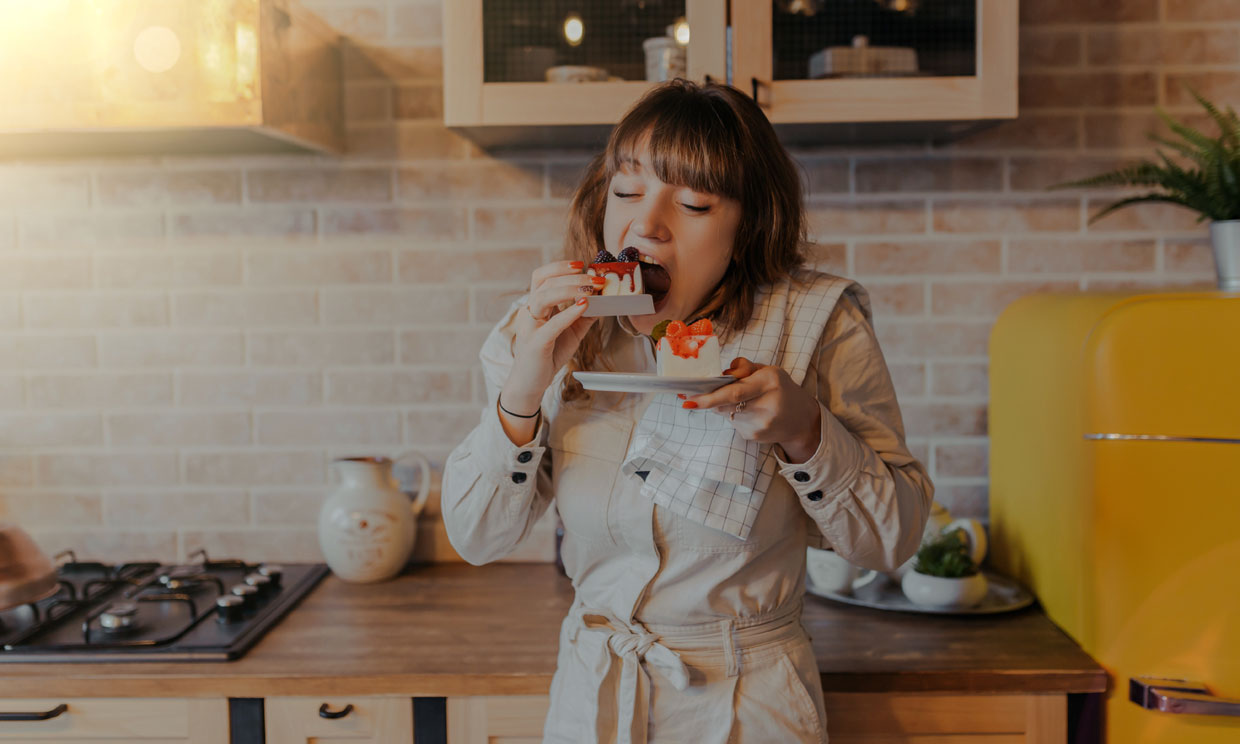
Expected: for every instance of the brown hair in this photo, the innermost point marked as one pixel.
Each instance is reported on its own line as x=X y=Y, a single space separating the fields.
x=715 y=139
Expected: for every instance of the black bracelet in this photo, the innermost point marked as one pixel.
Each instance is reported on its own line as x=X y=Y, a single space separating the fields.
x=499 y=401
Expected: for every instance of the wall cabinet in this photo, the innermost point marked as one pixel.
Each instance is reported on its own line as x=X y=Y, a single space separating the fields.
x=919 y=68
x=137 y=720
x=852 y=718
x=356 y=720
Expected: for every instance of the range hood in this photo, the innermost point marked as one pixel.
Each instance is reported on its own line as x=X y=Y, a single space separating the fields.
x=100 y=77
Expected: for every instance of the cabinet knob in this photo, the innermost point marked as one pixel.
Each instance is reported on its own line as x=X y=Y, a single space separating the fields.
x=326 y=712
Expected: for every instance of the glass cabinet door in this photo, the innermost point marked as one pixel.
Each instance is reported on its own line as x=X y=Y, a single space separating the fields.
x=877 y=60
x=515 y=62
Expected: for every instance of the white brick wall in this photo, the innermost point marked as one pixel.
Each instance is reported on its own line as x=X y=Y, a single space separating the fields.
x=185 y=343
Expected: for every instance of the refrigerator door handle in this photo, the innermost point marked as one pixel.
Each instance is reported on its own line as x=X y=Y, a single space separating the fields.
x=1179 y=696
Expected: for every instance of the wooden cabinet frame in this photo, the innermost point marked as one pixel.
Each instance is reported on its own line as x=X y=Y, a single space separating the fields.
x=471 y=102
x=990 y=94
x=904 y=108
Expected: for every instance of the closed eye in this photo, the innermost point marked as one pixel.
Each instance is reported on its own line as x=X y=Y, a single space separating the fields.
x=624 y=196
x=694 y=208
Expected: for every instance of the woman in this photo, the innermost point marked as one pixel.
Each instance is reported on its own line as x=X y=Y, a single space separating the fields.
x=689 y=575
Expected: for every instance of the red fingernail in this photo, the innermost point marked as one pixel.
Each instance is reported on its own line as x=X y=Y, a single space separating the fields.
x=688 y=404
x=582 y=300
x=576 y=264
x=682 y=396
x=598 y=279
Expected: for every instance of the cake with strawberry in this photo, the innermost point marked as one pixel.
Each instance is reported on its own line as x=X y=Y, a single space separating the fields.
x=687 y=350
x=623 y=273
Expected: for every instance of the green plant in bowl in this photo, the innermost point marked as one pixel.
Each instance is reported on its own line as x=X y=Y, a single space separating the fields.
x=946 y=556
x=944 y=575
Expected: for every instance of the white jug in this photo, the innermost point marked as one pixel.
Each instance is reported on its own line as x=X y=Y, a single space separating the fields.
x=367 y=526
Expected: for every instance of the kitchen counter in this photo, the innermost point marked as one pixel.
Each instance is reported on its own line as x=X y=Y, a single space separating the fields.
x=455 y=629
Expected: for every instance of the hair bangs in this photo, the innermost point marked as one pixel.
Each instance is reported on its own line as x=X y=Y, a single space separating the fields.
x=688 y=143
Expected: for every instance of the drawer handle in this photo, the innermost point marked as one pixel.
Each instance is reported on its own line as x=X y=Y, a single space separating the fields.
x=324 y=712
x=1179 y=696
x=46 y=715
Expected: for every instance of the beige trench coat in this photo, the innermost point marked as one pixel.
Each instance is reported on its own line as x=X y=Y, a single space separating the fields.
x=682 y=633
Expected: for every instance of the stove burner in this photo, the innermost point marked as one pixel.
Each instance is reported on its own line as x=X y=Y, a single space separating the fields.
x=154 y=612
x=119 y=616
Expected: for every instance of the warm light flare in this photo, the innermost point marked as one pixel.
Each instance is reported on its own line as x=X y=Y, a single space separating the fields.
x=157 y=48
x=681 y=31
x=574 y=29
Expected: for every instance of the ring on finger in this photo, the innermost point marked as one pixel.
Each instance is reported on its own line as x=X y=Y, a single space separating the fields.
x=535 y=317
x=739 y=407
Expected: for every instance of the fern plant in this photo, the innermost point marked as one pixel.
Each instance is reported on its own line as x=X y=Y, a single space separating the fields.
x=1206 y=181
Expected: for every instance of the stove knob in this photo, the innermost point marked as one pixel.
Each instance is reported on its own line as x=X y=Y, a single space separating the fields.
x=272 y=571
x=228 y=608
x=247 y=593
x=261 y=583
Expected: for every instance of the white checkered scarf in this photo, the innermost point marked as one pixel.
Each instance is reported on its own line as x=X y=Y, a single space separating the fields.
x=696 y=464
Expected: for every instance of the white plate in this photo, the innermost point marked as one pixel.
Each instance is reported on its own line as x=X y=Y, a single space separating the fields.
x=638 y=304
x=1002 y=595
x=622 y=382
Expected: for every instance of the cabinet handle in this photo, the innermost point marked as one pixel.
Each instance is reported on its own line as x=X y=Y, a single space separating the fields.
x=1179 y=696
x=46 y=715
x=324 y=712
x=756 y=85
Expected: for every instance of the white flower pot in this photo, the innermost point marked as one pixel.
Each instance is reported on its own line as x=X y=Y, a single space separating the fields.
x=1225 y=239
x=941 y=593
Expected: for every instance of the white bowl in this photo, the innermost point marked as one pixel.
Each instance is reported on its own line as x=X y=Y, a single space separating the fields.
x=831 y=573
x=936 y=591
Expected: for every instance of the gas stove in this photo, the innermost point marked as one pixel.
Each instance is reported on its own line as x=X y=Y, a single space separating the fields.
x=204 y=610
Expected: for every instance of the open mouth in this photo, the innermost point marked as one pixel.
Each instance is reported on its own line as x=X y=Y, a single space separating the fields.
x=655 y=279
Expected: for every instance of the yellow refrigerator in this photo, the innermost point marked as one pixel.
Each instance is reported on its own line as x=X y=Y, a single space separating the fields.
x=1115 y=495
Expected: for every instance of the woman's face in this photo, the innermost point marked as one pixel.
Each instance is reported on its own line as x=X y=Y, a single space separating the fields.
x=689 y=233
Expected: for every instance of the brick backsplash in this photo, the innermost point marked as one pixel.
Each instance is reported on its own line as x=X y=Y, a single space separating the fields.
x=186 y=343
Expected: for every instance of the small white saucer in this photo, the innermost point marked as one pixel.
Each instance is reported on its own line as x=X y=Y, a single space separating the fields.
x=625 y=382
x=638 y=304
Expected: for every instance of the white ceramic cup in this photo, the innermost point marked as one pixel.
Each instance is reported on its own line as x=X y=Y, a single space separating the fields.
x=831 y=573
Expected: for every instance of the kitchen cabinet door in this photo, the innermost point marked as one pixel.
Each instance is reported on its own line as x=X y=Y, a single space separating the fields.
x=497 y=53
x=497 y=719
x=137 y=720
x=948 y=61
x=852 y=718
x=356 y=720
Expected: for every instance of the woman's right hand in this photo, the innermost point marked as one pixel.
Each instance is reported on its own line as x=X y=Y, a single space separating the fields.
x=541 y=347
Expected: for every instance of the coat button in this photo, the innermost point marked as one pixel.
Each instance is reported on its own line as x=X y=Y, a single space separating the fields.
x=518 y=477
x=525 y=457
x=814 y=495
x=801 y=476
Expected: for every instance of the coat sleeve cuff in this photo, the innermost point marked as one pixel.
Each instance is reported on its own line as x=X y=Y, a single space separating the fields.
x=512 y=466
x=830 y=469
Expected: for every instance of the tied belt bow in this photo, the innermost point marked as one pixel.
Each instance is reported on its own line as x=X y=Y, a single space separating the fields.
x=632 y=647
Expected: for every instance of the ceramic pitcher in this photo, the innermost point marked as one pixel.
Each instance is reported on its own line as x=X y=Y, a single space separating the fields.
x=367 y=526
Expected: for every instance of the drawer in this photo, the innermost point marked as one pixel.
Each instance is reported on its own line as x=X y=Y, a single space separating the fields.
x=148 y=720
x=298 y=720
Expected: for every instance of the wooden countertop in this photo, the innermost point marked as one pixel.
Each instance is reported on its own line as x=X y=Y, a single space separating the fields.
x=455 y=629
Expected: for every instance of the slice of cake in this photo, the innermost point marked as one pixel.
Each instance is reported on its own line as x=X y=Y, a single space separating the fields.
x=688 y=351
x=623 y=273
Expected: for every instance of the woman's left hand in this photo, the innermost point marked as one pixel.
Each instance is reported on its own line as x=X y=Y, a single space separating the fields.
x=765 y=405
